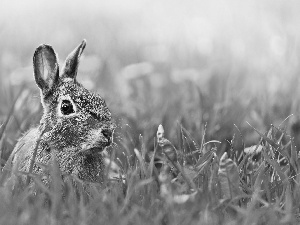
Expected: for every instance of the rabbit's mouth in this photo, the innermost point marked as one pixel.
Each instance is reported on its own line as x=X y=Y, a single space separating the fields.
x=94 y=145
x=91 y=151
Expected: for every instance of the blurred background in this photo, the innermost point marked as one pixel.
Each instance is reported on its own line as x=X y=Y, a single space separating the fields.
x=209 y=66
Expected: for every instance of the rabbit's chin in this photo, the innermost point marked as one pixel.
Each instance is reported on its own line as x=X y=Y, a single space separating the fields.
x=91 y=151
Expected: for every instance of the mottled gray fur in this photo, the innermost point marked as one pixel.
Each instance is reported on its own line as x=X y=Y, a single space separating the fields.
x=76 y=125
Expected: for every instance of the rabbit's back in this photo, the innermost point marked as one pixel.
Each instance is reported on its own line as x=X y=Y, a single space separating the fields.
x=23 y=151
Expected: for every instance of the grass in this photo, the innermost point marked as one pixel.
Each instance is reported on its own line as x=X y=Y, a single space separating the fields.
x=213 y=89
x=209 y=189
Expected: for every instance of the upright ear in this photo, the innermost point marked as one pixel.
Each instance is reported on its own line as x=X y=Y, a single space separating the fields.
x=45 y=67
x=72 y=61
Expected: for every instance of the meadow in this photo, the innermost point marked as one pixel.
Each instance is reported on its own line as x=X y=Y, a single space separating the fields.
x=220 y=77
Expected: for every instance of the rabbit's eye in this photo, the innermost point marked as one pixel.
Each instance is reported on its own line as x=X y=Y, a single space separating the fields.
x=66 y=107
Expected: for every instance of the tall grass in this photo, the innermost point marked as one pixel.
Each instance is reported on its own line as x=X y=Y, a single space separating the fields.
x=146 y=194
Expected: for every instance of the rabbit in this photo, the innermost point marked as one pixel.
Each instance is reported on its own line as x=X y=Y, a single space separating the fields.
x=76 y=125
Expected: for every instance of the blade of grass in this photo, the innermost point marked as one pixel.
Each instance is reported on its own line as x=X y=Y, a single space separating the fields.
x=32 y=161
x=275 y=165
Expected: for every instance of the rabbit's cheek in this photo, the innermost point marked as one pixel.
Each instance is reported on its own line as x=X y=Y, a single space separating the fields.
x=66 y=133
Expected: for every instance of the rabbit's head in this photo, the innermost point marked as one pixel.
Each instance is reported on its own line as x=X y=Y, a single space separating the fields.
x=73 y=116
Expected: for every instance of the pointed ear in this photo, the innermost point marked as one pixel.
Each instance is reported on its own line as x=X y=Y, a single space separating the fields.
x=72 y=61
x=45 y=67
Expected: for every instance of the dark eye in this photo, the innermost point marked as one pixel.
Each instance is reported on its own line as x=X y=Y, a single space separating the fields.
x=66 y=107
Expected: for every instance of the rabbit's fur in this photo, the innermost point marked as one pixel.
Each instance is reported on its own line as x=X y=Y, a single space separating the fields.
x=76 y=125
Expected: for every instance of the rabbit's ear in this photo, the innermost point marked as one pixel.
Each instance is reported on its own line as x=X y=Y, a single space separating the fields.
x=45 y=67
x=72 y=61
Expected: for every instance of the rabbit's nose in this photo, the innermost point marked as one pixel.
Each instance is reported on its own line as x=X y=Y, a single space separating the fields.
x=107 y=133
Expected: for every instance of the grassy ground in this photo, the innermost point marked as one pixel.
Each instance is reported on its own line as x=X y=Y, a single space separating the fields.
x=217 y=80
